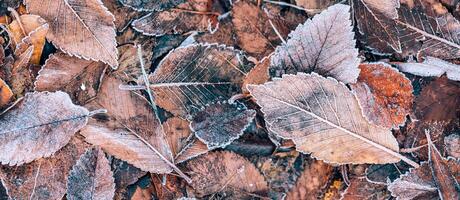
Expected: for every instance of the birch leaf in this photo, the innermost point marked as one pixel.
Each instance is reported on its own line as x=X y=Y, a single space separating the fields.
x=432 y=67
x=80 y=78
x=192 y=77
x=39 y=126
x=228 y=173
x=384 y=93
x=149 y=5
x=219 y=124
x=91 y=177
x=324 y=45
x=84 y=29
x=323 y=117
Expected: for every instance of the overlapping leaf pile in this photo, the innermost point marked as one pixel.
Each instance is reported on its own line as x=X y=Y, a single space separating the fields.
x=229 y=99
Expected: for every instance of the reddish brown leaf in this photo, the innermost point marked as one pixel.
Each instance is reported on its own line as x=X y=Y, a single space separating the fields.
x=361 y=188
x=5 y=94
x=384 y=94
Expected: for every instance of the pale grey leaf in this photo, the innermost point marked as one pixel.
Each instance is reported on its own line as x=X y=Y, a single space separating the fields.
x=432 y=67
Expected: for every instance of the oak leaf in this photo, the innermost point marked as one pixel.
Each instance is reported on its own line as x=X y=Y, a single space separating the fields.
x=91 y=177
x=384 y=94
x=192 y=77
x=225 y=172
x=149 y=5
x=39 y=126
x=84 y=29
x=324 y=45
x=323 y=118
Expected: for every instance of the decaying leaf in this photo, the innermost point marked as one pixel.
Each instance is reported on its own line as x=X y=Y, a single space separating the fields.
x=360 y=188
x=323 y=117
x=312 y=183
x=191 y=77
x=432 y=67
x=149 y=5
x=80 y=78
x=91 y=177
x=81 y=28
x=5 y=94
x=384 y=94
x=452 y=143
x=437 y=178
x=184 y=18
x=183 y=143
x=39 y=126
x=324 y=45
x=375 y=20
x=44 y=178
x=219 y=124
x=227 y=173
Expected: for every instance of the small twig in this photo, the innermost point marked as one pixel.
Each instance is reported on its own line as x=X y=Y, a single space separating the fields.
x=196 y=12
x=343 y=171
x=98 y=111
x=18 y=18
x=413 y=149
x=132 y=87
x=177 y=170
x=146 y=82
x=277 y=32
x=35 y=180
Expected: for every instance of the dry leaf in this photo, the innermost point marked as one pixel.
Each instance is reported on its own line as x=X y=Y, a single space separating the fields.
x=323 y=117
x=124 y=174
x=361 y=188
x=45 y=178
x=437 y=178
x=8 y=3
x=21 y=79
x=80 y=78
x=192 y=77
x=168 y=187
x=375 y=21
x=313 y=181
x=452 y=143
x=227 y=173
x=39 y=126
x=180 y=20
x=81 y=28
x=219 y=124
x=123 y=15
x=91 y=177
x=314 y=4
x=5 y=94
x=149 y=5
x=324 y=45
x=384 y=94
x=432 y=67
x=194 y=148
x=258 y=74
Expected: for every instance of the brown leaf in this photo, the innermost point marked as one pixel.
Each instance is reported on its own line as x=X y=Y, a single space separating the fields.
x=124 y=174
x=192 y=77
x=434 y=179
x=91 y=177
x=123 y=15
x=80 y=78
x=219 y=124
x=168 y=187
x=314 y=4
x=148 y=5
x=384 y=94
x=21 y=79
x=323 y=117
x=313 y=181
x=225 y=34
x=5 y=94
x=226 y=173
x=184 y=18
x=324 y=45
x=258 y=74
x=360 y=188
x=39 y=126
x=194 y=148
x=452 y=143
x=45 y=178
x=82 y=28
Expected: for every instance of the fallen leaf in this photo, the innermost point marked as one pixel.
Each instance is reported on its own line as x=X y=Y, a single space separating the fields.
x=452 y=143
x=225 y=33
x=361 y=188
x=226 y=173
x=193 y=15
x=323 y=117
x=83 y=29
x=324 y=45
x=91 y=177
x=375 y=21
x=168 y=187
x=8 y=3
x=314 y=4
x=258 y=74
x=80 y=78
x=5 y=94
x=191 y=77
x=313 y=181
x=39 y=126
x=432 y=67
x=21 y=79
x=219 y=124
x=44 y=178
x=384 y=94
x=437 y=178
x=124 y=174
x=194 y=148
x=148 y=5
